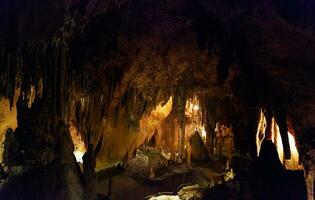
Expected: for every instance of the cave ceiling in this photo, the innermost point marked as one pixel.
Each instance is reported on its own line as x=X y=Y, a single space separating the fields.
x=96 y=58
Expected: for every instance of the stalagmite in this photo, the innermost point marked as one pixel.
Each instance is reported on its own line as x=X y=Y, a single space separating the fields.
x=89 y=174
x=209 y=117
x=157 y=97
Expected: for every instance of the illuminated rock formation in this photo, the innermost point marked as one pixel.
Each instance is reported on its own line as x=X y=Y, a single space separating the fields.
x=105 y=78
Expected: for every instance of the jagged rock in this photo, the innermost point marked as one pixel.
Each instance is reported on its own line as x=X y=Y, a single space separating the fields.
x=140 y=161
x=147 y=161
x=107 y=64
x=191 y=192
x=156 y=160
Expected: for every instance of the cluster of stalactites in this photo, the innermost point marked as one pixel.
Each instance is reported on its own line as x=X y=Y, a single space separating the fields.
x=194 y=114
x=35 y=69
x=9 y=79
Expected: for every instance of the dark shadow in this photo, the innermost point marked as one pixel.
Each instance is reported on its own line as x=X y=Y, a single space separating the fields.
x=269 y=180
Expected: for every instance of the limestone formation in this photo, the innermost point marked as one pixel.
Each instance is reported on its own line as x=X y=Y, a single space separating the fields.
x=117 y=74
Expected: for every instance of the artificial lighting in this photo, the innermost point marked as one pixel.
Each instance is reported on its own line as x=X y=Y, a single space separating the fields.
x=293 y=163
x=203 y=132
x=79 y=155
x=261 y=129
x=194 y=115
x=162 y=111
x=149 y=123
x=79 y=146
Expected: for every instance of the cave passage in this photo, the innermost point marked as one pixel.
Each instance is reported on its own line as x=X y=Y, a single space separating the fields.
x=157 y=100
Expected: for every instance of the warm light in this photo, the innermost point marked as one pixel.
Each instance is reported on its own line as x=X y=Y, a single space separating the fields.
x=8 y=118
x=293 y=163
x=79 y=155
x=276 y=139
x=31 y=96
x=195 y=107
x=79 y=146
x=165 y=197
x=162 y=111
x=192 y=107
x=203 y=132
x=150 y=122
x=261 y=128
x=194 y=115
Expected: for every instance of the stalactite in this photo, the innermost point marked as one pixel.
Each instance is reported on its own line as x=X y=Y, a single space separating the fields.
x=172 y=138
x=208 y=120
x=101 y=97
x=9 y=65
x=252 y=123
x=62 y=84
x=281 y=119
x=181 y=102
x=269 y=128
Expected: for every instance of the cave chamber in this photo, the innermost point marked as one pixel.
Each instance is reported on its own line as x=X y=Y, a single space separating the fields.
x=151 y=99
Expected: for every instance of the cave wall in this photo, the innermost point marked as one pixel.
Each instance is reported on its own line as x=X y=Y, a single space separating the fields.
x=104 y=63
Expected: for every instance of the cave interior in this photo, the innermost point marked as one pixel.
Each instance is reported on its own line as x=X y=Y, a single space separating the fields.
x=157 y=100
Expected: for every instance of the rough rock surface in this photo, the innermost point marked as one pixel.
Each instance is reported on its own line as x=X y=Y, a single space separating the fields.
x=105 y=64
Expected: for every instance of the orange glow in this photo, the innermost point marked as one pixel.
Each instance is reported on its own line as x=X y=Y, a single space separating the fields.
x=192 y=108
x=276 y=139
x=31 y=96
x=7 y=118
x=194 y=115
x=203 y=132
x=261 y=129
x=150 y=122
x=293 y=163
x=79 y=146
x=162 y=111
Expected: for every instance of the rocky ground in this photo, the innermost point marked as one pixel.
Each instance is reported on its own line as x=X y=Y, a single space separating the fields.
x=152 y=177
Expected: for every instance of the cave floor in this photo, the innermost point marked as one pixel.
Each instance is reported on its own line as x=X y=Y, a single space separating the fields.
x=136 y=183
x=206 y=180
